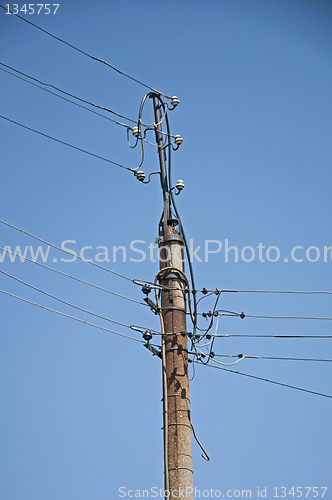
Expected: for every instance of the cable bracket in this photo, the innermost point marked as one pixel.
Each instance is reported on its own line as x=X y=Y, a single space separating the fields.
x=152 y=349
x=152 y=305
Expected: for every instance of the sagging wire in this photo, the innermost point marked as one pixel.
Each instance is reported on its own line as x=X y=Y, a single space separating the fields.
x=219 y=362
x=206 y=335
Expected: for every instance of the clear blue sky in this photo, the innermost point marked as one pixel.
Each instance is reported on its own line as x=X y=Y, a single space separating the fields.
x=80 y=408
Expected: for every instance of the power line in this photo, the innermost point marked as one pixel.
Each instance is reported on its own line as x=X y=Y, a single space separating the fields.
x=65 y=251
x=265 y=380
x=77 y=279
x=86 y=54
x=287 y=317
x=65 y=302
x=243 y=315
x=71 y=317
x=71 y=95
x=276 y=336
x=266 y=291
x=70 y=145
x=269 y=357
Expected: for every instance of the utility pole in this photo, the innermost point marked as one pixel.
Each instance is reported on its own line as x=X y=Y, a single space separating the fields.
x=176 y=401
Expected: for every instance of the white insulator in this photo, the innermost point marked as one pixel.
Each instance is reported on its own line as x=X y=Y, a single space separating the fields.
x=178 y=140
x=175 y=101
x=135 y=132
x=180 y=185
x=140 y=176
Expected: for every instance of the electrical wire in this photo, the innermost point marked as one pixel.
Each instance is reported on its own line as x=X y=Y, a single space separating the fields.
x=67 y=303
x=242 y=316
x=65 y=251
x=66 y=144
x=225 y=290
x=67 y=93
x=277 y=291
x=77 y=279
x=191 y=271
x=128 y=127
x=210 y=358
x=287 y=317
x=86 y=54
x=71 y=317
x=272 y=358
x=276 y=336
x=266 y=380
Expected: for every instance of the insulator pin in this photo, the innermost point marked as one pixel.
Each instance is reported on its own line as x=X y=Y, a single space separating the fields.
x=175 y=101
x=140 y=176
x=178 y=140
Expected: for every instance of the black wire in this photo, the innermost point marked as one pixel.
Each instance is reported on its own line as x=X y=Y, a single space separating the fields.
x=67 y=93
x=65 y=99
x=286 y=317
x=65 y=302
x=266 y=380
x=181 y=229
x=66 y=144
x=65 y=251
x=71 y=317
x=212 y=316
x=209 y=357
x=84 y=53
x=276 y=336
x=242 y=316
x=270 y=357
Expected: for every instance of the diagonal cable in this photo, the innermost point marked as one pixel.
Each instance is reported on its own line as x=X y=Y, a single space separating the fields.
x=71 y=317
x=67 y=144
x=67 y=93
x=86 y=54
